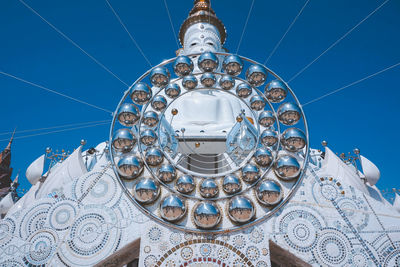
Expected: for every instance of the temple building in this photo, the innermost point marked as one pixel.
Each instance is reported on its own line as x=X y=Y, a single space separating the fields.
x=208 y=164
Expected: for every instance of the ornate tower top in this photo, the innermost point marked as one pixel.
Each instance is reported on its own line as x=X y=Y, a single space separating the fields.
x=202 y=12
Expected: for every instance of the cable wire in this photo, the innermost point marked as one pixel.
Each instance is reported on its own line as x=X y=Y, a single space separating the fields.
x=57 y=131
x=54 y=127
x=336 y=42
x=351 y=84
x=127 y=31
x=245 y=26
x=284 y=35
x=172 y=25
x=55 y=92
x=72 y=42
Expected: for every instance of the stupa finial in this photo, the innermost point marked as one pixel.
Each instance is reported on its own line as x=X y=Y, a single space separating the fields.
x=202 y=12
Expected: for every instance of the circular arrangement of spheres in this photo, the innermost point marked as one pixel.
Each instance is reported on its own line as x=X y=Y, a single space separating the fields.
x=267 y=145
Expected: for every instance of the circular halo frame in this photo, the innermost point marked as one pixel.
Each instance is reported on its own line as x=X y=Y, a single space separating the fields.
x=234 y=228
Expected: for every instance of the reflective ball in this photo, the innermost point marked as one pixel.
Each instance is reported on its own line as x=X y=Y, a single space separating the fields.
x=241 y=209
x=166 y=173
x=227 y=82
x=231 y=184
x=266 y=118
x=146 y=190
x=172 y=208
x=208 y=188
x=154 y=157
x=174 y=111
x=208 y=62
x=172 y=90
x=289 y=113
x=150 y=118
x=257 y=102
x=159 y=103
x=189 y=82
x=293 y=139
x=183 y=66
x=208 y=79
x=140 y=93
x=269 y=192
x=206 y=215
x=250 y=173
x=243 y=90
x=128 y=114
x=233 y=65
x=276 y=91
x=287 y=167
x=263 y=157
x=269 y=137
x=159 y=77
x=123 y=140
x=129 y=167
x=148 y=137
x=185 y=184
x=256 y=75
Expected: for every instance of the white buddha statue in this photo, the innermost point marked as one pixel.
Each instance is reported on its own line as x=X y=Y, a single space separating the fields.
x=208 y=112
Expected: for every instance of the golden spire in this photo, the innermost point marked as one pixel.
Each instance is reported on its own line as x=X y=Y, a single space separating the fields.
x=202 y=12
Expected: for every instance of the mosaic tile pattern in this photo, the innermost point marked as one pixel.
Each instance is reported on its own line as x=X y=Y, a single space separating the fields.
x=326 y=223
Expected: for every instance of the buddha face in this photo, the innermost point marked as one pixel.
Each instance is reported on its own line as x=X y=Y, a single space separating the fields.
x=201 y=37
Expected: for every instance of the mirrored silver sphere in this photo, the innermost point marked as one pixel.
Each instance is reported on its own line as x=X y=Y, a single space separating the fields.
x=287 y=167
x=159 y=103
x=172 y=208
x=129 y=167
x=256 y=75
x=159 y=77
x=293 y=139
x=183 y=66
x=208 y=188
x=185 y=184
x=263 y=157
x=276 y=91
x=123 y=140
x=154 y=156
x=172 y=90
x=250 y=173
x=231 y=184
x=241 y=209
x=243 y=90
x=227 y=82
x=257 y=102
x=146 y=190
x=232 y=65
x=128 y=114
x=269 y=192
x=289 y=113
x=150 y=118
x=140 y=93
x=189 y=82
x=206 y=215
x=208 y=62
x=166 y=173
x=208 y=79
x=266 y=118
x=269 y=137
x=148 y=137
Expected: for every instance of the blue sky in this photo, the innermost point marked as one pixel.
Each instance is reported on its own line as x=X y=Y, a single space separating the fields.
x=364 y=116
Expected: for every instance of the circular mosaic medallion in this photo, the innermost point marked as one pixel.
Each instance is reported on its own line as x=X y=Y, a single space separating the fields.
x=92 y=236
x=332 y=247
x=62 y=214
x=7 y=231
x=34 y=219
x=43 y=246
